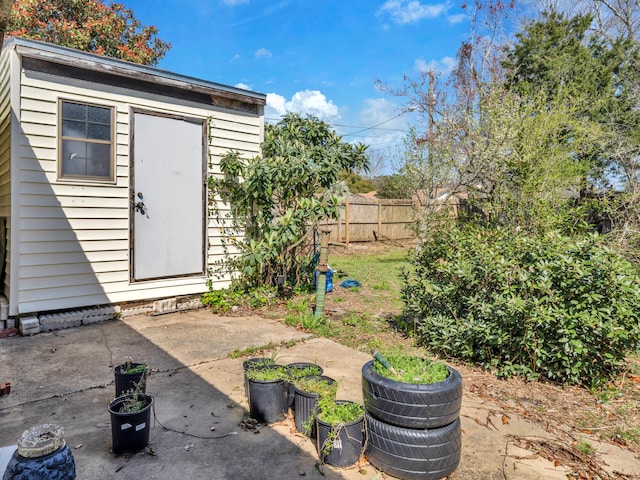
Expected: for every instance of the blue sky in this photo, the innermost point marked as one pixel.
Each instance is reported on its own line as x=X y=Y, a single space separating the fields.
x=321 y=57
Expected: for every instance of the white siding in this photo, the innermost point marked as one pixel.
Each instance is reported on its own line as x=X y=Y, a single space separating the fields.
x=5 y=163
x=74 y=238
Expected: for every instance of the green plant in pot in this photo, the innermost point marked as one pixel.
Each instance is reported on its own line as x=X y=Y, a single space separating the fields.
x=308 y=392
x=130 y=420
x=268 y=373
x=340 y=431
x=257 y=362
x=299 y=370
x=414 y=401
x=130 y=375
x=410 y=391
x=268 y=392
x=409 y=368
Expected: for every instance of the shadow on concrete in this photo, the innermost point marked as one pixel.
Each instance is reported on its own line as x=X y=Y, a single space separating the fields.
x=65 y=377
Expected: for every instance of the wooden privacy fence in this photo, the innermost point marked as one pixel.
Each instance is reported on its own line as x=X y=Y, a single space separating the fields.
x=365 y=220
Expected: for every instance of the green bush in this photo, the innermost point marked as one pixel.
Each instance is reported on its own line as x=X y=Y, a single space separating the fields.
x=552 y=306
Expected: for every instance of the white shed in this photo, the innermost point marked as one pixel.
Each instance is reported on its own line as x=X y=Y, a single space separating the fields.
x=103 y=169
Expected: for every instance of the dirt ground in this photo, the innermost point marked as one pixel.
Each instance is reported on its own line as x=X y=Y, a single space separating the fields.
x=576 y=418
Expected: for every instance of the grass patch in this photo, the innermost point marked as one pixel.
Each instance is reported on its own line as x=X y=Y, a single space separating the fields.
x=411 y=369
x=379 y=273
x=260 y=350
x=584 y=447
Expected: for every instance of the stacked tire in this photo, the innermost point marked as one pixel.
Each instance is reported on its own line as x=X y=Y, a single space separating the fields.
x=413 y=430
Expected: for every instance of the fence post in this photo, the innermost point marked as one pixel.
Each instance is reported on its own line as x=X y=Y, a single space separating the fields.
x=346 y=222
x=379 y=218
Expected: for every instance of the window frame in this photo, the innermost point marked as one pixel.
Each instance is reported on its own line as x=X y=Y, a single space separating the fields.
x=111 y=179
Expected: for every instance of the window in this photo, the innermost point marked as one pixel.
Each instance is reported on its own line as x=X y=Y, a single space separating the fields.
x=86 y=141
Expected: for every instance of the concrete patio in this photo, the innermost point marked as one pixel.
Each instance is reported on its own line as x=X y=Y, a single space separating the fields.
x=65 y=377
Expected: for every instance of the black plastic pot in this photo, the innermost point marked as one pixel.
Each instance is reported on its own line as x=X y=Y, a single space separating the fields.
x=305 y=404
x=127 y=382
x=250 y=363
x=130 y=431
x=341 y=445
x=298 y=369
x=268 y=400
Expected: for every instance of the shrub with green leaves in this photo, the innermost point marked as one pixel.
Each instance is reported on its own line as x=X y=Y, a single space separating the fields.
x=274 y=201
x=554 y=306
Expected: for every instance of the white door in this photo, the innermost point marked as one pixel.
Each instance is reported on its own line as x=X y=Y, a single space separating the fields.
x=168 y=201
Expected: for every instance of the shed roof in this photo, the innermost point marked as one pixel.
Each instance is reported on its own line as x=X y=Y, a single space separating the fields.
x=99 y=63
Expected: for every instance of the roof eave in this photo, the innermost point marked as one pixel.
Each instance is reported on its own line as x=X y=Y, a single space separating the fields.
x=99 y=63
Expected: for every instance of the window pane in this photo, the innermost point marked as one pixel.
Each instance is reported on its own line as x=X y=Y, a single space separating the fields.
x=91 y=158
x=74 y=158
x=99 y=160
x=99 y=115
x=99 y=132
x=74 y=129
x=74 y=111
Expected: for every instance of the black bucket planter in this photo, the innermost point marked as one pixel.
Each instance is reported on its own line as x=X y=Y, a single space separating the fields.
x=250 y=363
x=305 y=404
x=341 y=445
x=130 y=430
x=300 y=369
x=268 y=400
x=127 y=382
x=41 y=453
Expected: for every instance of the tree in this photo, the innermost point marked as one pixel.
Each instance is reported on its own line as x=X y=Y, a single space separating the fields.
x=521 y=130
x=355 y=183
x=88 y=25
x=613 y=19
x=392 y=186
x=5 y=13
x=462 y=143
x=277 y=199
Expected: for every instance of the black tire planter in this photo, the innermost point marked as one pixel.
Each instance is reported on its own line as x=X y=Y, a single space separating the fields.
x=268 y=400
x=130 y=430
x=411 y=405
x=346 y=447
x=413 y=454
x=305 y=404
x=126 y=382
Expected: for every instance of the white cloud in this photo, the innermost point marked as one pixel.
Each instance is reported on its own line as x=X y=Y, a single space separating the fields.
x=443 y=66
x=378 y=110
x=243 y=86
x=311 y=102
x=460 y=17
x=233 y=3
x=263 y=52
x=411 y=11
x=235 y=57
x=385 y=124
